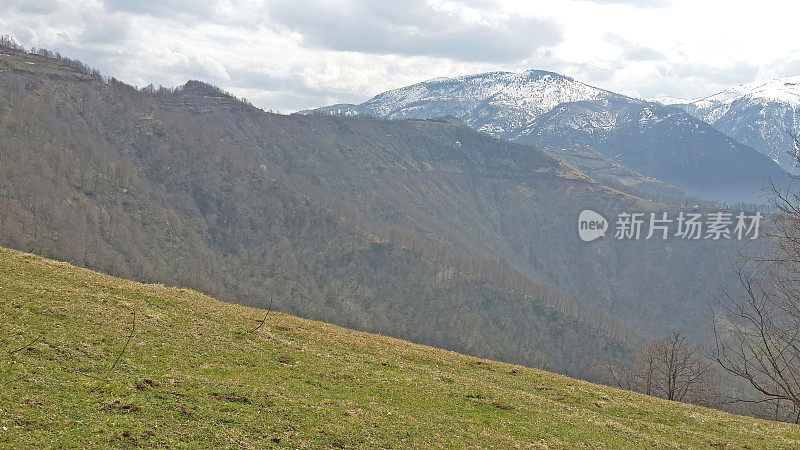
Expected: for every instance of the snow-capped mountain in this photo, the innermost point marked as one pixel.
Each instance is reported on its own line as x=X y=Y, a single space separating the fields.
x=548 y=109
x=499 y=103
x=761 y=115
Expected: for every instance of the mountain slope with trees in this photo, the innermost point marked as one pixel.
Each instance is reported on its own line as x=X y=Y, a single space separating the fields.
x=664 y=143
x=425 y=230
x=195 y=188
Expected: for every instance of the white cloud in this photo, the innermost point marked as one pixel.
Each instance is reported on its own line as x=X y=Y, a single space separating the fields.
x=293 y=55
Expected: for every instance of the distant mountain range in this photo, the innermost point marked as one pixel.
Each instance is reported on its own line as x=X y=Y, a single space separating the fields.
x=762 y=115
x=552 y=110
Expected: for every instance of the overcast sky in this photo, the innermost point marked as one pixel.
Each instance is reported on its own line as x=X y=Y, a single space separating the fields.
x=295 y=54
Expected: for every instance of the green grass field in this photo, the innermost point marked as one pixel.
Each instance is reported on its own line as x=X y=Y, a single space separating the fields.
x=195 y=374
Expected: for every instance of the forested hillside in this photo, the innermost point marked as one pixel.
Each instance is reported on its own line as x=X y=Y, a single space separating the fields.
x=662 y=142
x=196 y=188
x=425 y=230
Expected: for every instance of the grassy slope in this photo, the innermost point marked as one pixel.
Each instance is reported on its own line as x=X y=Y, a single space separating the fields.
x=195 y=373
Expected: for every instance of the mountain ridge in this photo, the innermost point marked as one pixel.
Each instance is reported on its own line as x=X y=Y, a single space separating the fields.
x=528 y=93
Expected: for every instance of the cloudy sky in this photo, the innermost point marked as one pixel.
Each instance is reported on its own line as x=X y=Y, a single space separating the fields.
x=287 y=55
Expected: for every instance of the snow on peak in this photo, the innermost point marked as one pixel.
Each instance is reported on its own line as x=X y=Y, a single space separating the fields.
x=534 y=91
x=782 y=90
x=667 y=100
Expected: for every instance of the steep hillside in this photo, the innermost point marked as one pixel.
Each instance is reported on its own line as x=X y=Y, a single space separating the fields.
x=425 y=230
x=89 y=360
x=762 y=115
x=612 y=174
x=195 y=188
x=661 y=142
x=548 y=109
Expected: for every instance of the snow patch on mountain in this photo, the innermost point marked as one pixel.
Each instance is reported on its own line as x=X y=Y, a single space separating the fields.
x=499 y=103
x=667 y=101
x=762 y=115
x=778 y=90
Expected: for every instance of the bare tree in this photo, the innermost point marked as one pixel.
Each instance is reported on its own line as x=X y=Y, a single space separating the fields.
x=757 y=330
x=670 y=368
x=684 y=372
x=8 y=41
